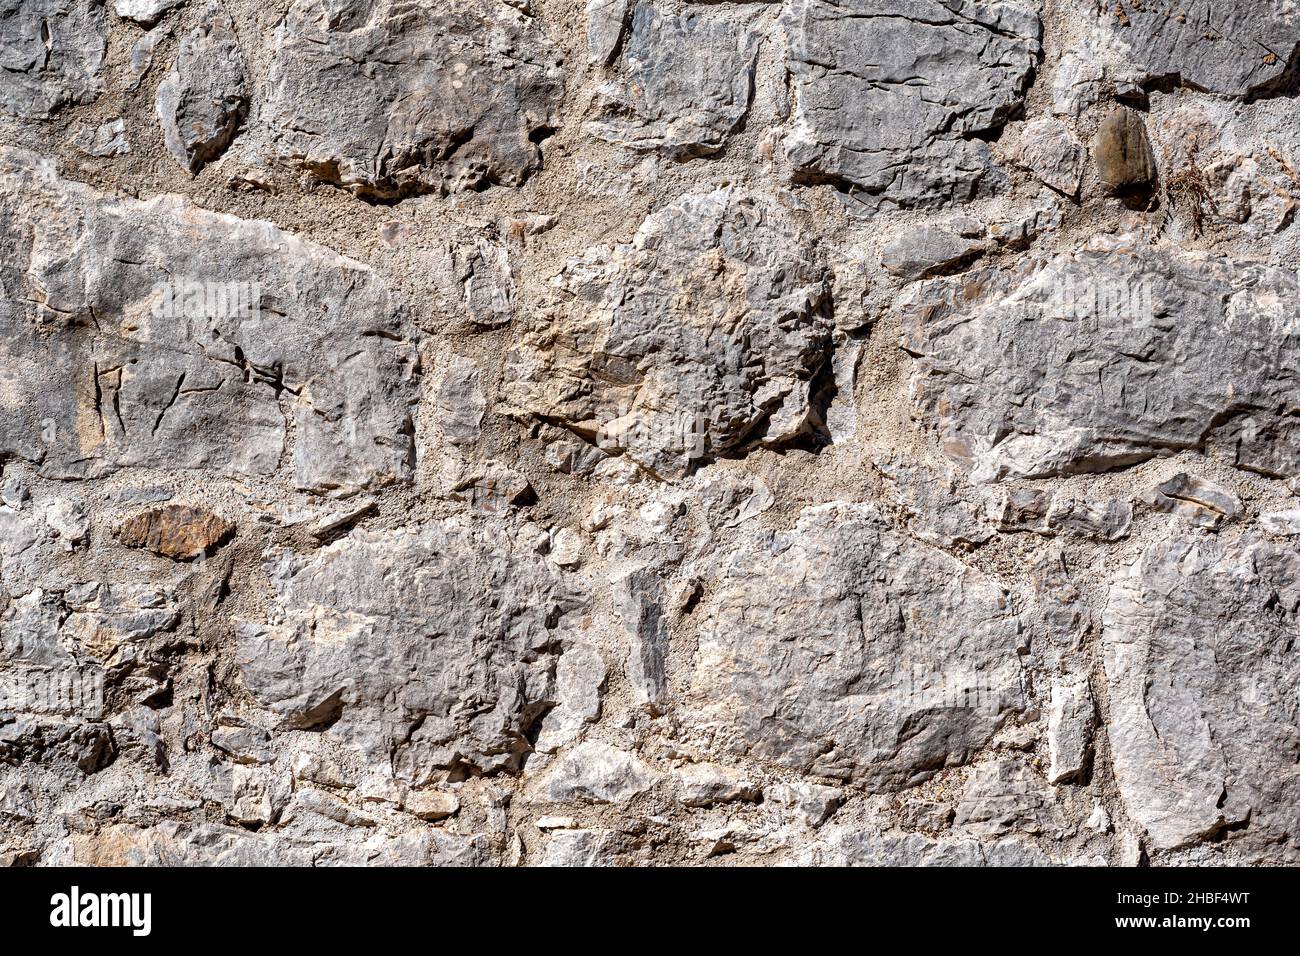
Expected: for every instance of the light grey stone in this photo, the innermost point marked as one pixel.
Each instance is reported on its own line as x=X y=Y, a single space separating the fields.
x=684 y=82
x=1070 y=722
x=1200 y=501
x=580 y=678
x=579 y=848
x=192 y=375
x=352 y=647
x=1242 y=49
x=107 y=139
x=44 y=68
x=460 y=401
x=607 y=22
x=930 y=673
x=701 y=337
x=141 y=61
x=388 y=99
x=891 y=97
x=640 y=600
x=144 y=12
x=1104 y=520
x=1021 y=372
x=708 y=784
x=846 y=847
x=202 y=101
x=475 y=277
x=938 y=507
x=928 y=251
x=1003 y=795
x=1285 y=522
x=810 y=803
x=431 y=804
x=1198 y=640
x=594 y=772
x=1049 y=150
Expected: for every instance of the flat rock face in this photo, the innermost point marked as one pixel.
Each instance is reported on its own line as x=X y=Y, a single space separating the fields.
x=1091 y=361
x=1238 y=49
x=388 y=98
x=685 y=83
x=352 y=647
x=51 y=55
x=844 y=649
x=190 y=343
x=700 y=337
x=1199 y=641
x=890 y=97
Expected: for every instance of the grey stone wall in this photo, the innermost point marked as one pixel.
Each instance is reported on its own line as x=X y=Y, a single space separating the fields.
x=635 y=432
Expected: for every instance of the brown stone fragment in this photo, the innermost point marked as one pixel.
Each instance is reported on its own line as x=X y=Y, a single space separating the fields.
x=178 y=532
x=1123 y=152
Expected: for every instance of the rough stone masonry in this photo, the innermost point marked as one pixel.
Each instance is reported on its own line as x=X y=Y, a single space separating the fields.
x=641 y=432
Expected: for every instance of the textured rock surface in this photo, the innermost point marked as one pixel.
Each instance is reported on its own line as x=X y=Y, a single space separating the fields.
x=203 y=100
x=355 y=650
x=206 y=342
x=1123 y=152
x=685 y=83
x=390 y=98
x=175 y=531
x=1096 y=360
x=648 y=432
x=1241 y=49
x=699 y=338
x=1199 y=649
x=930 y=674
x=44 y=69
x=890 y=97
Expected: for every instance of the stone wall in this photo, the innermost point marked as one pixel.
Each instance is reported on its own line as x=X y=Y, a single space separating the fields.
x=635 y=432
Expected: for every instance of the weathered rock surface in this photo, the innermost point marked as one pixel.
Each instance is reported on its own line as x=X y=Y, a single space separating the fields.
x=1050 y=151
x=931 y=673
x=108 y=139
x=607 y=22
x=928 y=251
x=1204 y=722
x=1095 y=360
x=144 y=12
x=699 y=338
x=1003 y=796
x=846 y=847
x=1202 y=502
x=204 y=98
x=1122 y=152
x=388 y=98
x=352 y=647
x=192 y=369
x=1241 y=49
x=685 y=81
x=598 y=773
x=706 y=784
x=44 y=69
x=176 y=531
x=891 y=98
x=475 y=433
x=1070 y=723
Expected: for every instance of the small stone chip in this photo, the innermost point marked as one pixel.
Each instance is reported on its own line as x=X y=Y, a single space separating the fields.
x=1123 y=152
x=178 y=532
